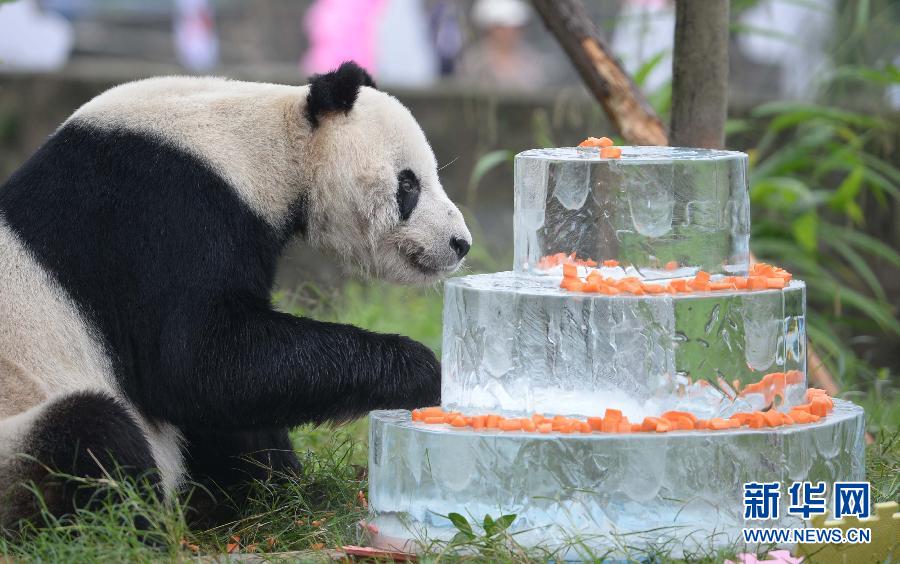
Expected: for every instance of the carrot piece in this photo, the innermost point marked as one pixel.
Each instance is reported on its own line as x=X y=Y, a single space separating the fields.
x=663 y=427
x=610 y=425
x=793 y=377
x=615 y=414
x=757 y=420
x=417 y=415
x=671 y=265
x=434 y=419
x=492 y=421
x=510 y=425
x=528 y=425
x=605 y=142
x=572 y=284
x=570 y=270
x=701 y=424
x=545 y=428
x=740 y=282
x=653 y=288
x=719 y=286
x=585 y=427
x=624 y=426
x=458 y=422
x=478 y=422
x=538 y=418
x=819 y=406
x=775 y=283
x=702 y=277
x=676 y=414
x=717 y=424
x=434 y=410
x=611 y=263
x=813 y=392
x=591 y=286
x=773 y=418
x=566 y=428
x=596 y=423
x=757 y=283
x=610 y=152
x=590 y=142
x=637 y=427
x=650 y=423
x=685 y=424
x=680 y=285
x=787 y=419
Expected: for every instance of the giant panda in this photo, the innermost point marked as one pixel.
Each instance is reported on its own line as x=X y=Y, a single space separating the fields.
x=138 y=247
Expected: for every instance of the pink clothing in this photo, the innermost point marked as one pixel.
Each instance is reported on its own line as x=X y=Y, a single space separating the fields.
x=339 y=31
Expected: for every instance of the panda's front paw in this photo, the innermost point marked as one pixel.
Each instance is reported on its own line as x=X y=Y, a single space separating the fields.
x=418 y=376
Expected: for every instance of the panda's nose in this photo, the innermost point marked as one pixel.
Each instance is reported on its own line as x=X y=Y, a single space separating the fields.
x=459 y=246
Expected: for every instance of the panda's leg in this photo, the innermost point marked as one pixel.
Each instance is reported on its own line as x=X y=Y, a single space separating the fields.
x=85 y=435
x=226 y=464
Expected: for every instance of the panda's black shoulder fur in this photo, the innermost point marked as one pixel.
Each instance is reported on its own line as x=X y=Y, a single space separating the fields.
x=175 y=273
x=335 y=91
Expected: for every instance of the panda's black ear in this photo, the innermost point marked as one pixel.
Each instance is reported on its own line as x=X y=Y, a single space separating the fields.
x=335 y=91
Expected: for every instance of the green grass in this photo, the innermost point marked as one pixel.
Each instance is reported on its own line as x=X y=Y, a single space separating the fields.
x=321 y=506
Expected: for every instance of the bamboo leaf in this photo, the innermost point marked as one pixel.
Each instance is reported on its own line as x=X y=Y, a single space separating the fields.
x=856 y=262
x=847 y=191
x=870 y=245
x=805 y=230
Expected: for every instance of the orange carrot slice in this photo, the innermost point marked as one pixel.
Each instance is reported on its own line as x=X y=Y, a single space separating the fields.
x=610 y=152
x=510 y=425
x=611 y=263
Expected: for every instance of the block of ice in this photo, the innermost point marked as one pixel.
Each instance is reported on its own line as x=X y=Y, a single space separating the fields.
x=656 y=206
x=517 y=343
x=609 y=490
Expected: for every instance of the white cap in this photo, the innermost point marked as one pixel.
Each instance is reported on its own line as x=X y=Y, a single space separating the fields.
x=505 y=13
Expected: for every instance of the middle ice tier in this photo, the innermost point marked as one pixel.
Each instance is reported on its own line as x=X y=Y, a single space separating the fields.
x=515 y=343
x=666 y=211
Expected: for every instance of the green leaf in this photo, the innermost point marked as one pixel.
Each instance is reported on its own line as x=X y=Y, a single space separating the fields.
x=789 y=114
x=640 y=76
x=505 y=521
x=846 y=194
x=856 y=262
x=486 y=163
x=805 y=230
x=870 y=245
x=488 y=525
x=461 y=524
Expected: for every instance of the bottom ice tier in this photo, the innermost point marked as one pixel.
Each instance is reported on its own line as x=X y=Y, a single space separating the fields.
x=606 y=490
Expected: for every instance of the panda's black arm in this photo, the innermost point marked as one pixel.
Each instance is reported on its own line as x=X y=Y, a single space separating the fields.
x=242 y=365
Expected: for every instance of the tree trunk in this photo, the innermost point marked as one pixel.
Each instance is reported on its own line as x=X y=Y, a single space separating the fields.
x=700 y=74
x=626 y=107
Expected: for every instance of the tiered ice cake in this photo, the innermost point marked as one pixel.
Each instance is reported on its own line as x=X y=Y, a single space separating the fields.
x=627 y=378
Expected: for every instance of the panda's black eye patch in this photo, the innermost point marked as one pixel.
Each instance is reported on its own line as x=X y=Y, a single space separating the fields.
x=407 y=193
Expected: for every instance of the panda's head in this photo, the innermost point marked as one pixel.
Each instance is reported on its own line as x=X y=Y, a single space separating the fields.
x=375 y=198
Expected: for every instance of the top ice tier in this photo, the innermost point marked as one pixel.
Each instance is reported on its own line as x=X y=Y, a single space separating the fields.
x=666 y=211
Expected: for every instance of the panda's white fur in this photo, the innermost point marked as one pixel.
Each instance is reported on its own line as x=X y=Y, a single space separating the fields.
x=47 y=350
x=342 y=168
x=255 y=136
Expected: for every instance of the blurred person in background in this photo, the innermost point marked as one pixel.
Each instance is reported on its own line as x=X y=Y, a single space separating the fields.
x=31 y=39
x=195 y=35
x=501 y=58
x=366 y=31
x=341 y=30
